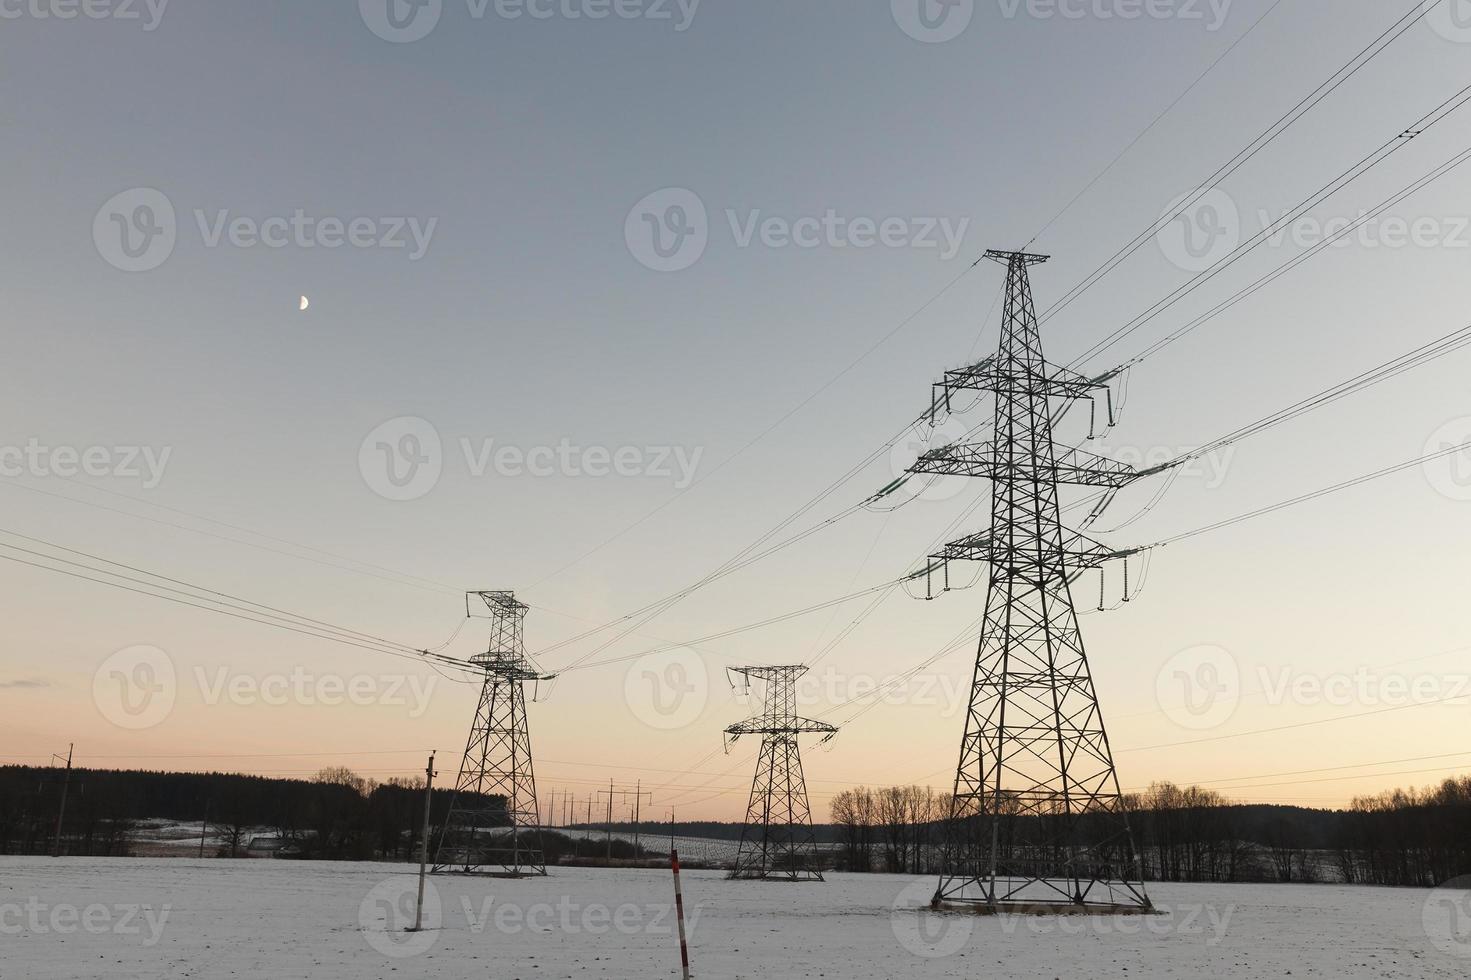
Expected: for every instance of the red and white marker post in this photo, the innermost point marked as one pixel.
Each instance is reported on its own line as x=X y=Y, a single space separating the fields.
x=684 y=950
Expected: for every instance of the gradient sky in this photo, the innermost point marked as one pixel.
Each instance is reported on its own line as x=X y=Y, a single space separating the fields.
x=529 y=321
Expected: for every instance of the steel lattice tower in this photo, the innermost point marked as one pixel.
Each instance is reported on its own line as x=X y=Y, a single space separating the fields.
x=1036 y=822
x=494 y=803
x=777 y=840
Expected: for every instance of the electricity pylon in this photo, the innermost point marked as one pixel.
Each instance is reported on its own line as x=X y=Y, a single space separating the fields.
x=1036 y=822
x=493 y=809
x=777 y=840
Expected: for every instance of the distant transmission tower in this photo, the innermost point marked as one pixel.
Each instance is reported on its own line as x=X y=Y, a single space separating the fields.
x=1036 y=822
x=777 y=840
x=493 y=810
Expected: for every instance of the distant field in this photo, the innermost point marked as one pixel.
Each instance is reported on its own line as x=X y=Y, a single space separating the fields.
x=137 y=918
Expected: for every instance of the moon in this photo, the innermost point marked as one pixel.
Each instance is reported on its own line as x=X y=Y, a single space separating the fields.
x=305 y=302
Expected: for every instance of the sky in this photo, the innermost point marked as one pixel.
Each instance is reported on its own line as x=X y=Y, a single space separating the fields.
x=504 y=379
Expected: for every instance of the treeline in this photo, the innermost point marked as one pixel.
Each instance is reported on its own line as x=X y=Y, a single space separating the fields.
x=897 y=829
x=1407 y=837
x=1191 y=834
x=336 y=814
x=1404 y=837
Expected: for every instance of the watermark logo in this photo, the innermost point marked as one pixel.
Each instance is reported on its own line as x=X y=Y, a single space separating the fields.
x=1203 y=232
x=401 y=21
x=1363 y=687
x=677 y=464
x=1446 y=917
x=147 y=12
x=1210 y=469
x=921 y=930
x=136 y=687
x=1211 y=13
x=1450 y=19
x=39 y=918
x=933 y=21
x=1209 y=921
x=136 y=230
x=1450 y=475
x=926 y=438
x=406 y=21
x=402 y=459
x=144 y=464
x=386 y=917
x=948 y=694
x=224 y=686
x=1367 y=230
x=668 y=230
x=1199 y=687
x=667 y=689
x=569 y=918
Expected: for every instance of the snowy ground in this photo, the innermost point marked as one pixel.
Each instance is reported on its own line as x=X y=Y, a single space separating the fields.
x=140 y=918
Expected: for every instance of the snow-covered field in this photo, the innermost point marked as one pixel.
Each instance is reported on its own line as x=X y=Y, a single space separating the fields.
x=139 y=918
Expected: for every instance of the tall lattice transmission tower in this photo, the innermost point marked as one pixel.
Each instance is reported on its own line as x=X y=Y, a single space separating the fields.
x=777 y=840
x=494 y=826
x=1036 y=823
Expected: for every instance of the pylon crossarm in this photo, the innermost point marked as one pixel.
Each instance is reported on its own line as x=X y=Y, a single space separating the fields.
x=1077 y=467
x=993 y=376
x=1078 y=551
x=797 y=726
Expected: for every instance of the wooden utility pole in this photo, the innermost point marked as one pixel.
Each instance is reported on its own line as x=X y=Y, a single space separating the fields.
x=638 y=795
x=609 y=857
x=204 y=827
x=61 y=809
x=424 y=842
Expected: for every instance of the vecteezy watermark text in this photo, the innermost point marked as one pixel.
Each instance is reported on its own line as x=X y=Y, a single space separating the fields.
x=146 y=464
x=300 y=686
x=137 y=688
x=406 y=21
x=570 y=917
x=137 y=230
x=40 y=918
x=403 y=459
x=938 y=21
x=387 y=913
x=147 y=12
x=669 y=230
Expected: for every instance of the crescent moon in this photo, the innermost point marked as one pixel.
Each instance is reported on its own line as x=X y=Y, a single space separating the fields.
x=305 y=302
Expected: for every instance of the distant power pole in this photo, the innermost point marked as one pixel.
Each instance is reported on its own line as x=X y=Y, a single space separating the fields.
x=609 y=825
x=638 y=795
x=204 y=827
x=61 y=809
x=494 y=802
x=777 y=840
x=424 y=842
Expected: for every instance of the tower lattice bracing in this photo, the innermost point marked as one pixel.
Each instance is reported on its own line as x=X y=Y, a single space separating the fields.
x=493 y=826
x=777 y=840
x=1036 y=821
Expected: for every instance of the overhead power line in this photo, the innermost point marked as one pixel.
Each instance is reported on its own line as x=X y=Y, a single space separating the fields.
x=1154 y=122
x=178 y=591
x=1338 y=183
x=1256 y=146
